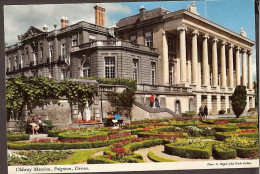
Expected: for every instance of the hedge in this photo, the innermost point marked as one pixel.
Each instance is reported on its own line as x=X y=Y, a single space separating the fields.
x=221 y=136
x=63 y=136
x=64 y=145
x=245 y=152
x=187 y=152
x=100 y=160
x=150 y=134
x=143 y=144
x=225 y=128
x=54 y=133
x=135 y=131
x=156 y=158
x=18 y=137
x=218 y=153
x=133 y=126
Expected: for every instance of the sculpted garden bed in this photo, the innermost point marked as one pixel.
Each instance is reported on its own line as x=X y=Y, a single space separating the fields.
x=183 y=137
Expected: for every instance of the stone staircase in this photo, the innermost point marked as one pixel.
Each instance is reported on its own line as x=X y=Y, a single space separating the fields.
x=142 y=112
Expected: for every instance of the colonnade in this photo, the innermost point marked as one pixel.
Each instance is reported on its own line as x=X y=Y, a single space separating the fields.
x=224 y=47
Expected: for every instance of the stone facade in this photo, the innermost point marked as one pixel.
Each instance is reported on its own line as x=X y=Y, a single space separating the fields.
x=187 y=60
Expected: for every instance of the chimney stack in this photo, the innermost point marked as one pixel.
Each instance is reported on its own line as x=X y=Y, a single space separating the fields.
x=142 y=13
x=100 y=15
x=45 y=28
x=64 y=22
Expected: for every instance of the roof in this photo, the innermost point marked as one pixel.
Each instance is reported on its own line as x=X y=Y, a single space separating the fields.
x=148 y=15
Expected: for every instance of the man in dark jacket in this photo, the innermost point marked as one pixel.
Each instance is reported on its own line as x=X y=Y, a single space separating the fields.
x=205 y=111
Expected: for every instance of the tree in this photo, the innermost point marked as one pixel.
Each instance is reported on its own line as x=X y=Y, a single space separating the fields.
x=238 y=99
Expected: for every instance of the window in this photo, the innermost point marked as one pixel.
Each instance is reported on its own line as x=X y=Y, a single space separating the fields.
x=148 y=39
x=110 y=67
x=171 y=74
x=63 y=50
x=35 y=58
x=22 y=60
x=51 y=53
x=16 y=62
x=41 y=53
x=133 y=39
x=74 y=42
x=153 y=68
x=171 y=45
x=86 y=69
x=9 y=62
x=63 y=74
x=50 y=73
x=135 y=70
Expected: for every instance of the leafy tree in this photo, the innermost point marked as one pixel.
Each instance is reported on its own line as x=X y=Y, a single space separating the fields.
x=238 y=99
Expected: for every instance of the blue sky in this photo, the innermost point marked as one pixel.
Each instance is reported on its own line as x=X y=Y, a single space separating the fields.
x=231 y=14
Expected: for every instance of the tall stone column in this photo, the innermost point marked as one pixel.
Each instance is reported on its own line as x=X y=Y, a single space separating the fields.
x=183 y=53
x=238 y=66
x=250 y=83
x=230 y=65
x=194 y=55
x=205 y=61
x=165 y=59
x=244 y=67
x=214 y=63
x=223 y=65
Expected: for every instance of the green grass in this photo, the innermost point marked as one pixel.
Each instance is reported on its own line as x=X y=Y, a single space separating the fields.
x=251 y=117
x=78 y=156
x=156 y=158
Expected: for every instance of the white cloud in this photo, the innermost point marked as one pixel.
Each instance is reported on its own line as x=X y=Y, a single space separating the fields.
x=18 y=18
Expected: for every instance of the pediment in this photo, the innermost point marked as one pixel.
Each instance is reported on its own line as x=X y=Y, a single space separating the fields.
x=32 y=31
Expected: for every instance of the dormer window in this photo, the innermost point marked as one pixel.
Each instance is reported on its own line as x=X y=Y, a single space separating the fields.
x=148 y=39
x=51 y=53
x=22 y=57
x=35 y=58
x=133 y=39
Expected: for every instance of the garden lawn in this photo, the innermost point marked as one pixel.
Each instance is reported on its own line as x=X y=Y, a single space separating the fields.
x=78 y=156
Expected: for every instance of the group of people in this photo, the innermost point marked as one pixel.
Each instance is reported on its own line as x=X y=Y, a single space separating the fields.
x=36 y=125
x=203 y=112
x=154 y=100
x=114 y=120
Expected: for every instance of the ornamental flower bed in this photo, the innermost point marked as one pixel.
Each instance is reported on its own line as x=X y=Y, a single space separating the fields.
x=86 y=121
x=247 y=125
x=221 y=136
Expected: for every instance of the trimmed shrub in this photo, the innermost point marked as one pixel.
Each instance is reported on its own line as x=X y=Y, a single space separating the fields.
x=189 y=114
x=226 y=128
x=130 y=159
x=63 y=136
x=156 y=158
x=236 y=120
x=18 y=137
x=135 y=131
x=188 y=152
x=143 y=144
x=222 y=112
x=223 y=152
x=100 y=160
x=133 y=126
x=54 y=133
x=245 y=152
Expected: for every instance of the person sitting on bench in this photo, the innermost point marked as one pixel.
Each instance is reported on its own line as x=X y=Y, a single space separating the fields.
x=43 y=126
x=33 y=124
x=109 y=119
x=118 y=118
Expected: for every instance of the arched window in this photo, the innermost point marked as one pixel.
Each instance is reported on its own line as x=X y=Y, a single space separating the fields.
x=86 y=69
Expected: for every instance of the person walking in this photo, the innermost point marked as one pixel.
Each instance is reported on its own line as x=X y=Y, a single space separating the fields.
x=157 y=104
x=205 y=111
x=201 y=112
x=151 y=101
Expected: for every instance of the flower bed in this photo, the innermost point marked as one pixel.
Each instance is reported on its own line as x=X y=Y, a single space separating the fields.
x=226 y=128
x=84 y=134
x=222 y=151
x=243 y=145
x=62 y=145
x=247 y=125
x=189 y=149
x=221 y=136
